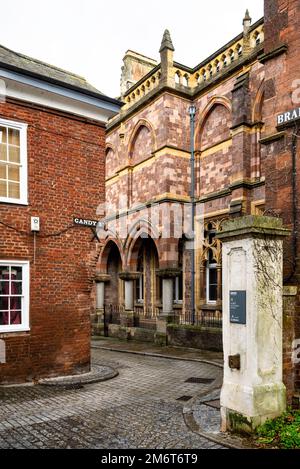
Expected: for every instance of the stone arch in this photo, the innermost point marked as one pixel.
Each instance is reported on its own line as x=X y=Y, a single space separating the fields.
x=142 y=229
x=257 y=109
x=110 y=241
x=111 y=162
x=206 y=113
x=145 y=126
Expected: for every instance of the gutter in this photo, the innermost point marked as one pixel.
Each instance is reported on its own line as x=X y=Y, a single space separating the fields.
x=61 y=84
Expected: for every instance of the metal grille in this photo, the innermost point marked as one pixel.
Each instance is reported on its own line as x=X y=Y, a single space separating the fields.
x=210 y=319
x=112 y=314
x=145 y=317
x=200 y=380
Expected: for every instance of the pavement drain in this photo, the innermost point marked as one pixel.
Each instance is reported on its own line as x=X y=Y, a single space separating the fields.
x=184 y=398
x=200 y=380
x=215 y=404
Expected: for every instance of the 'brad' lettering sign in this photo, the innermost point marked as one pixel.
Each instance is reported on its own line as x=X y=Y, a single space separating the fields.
x=289 y=116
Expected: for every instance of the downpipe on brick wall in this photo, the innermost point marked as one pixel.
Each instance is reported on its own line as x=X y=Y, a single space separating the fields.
x=294 y=208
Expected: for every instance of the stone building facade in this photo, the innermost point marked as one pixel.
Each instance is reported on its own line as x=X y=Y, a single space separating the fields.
x=52 y=157
x=245 y=163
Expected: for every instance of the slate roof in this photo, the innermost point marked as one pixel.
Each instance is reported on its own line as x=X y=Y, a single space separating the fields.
x=19 y=62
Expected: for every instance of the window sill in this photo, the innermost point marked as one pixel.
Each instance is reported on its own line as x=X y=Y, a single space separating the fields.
x=211 y=306
x=6 y=331
x=14 y=202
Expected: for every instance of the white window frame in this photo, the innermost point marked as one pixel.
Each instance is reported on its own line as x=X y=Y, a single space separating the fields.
x=24 y=326
x=23 y=200
x=140 y=281
x=209 y=266
x=177 y=301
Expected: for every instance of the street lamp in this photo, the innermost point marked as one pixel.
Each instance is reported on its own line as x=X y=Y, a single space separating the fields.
x=192 y=114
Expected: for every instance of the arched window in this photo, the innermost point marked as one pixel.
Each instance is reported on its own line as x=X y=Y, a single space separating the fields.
x=139 y=284
x=177 y=78
x=178 y=281
x=239 y=50
x=232 y=57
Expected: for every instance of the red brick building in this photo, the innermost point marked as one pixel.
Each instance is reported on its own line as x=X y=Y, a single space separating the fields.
x=246 y=163
x=52 y=150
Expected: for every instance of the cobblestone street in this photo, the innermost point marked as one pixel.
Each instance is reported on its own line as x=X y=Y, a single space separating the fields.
x=137 y=409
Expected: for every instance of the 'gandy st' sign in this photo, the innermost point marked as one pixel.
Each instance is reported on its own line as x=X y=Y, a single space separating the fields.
x=88 y=223
x=289 y=116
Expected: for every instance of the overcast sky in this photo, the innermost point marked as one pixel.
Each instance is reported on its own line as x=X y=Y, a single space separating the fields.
x=90 y=37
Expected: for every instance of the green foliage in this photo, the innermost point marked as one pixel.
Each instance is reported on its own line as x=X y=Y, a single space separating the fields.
x=282 y=432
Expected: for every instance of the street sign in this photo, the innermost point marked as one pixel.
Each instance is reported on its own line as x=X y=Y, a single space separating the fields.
x=94 y=225
x=290 y=116
x=88 y=223
x=238 y=307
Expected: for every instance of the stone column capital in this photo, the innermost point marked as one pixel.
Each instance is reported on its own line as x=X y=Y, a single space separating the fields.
x=129 y=275
x=105 y=278
x=168 y=273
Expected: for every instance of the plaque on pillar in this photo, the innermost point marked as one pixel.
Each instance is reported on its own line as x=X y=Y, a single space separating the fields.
x=238 y=307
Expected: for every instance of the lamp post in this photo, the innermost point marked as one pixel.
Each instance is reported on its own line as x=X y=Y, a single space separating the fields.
x=192 y=113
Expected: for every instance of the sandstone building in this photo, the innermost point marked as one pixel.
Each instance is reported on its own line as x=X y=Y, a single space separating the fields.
x=52 y=150
x=246 y=163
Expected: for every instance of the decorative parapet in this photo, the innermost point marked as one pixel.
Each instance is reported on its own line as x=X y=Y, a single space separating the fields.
x=189 y=79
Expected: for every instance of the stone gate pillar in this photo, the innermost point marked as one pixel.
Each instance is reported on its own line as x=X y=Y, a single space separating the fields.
x=252 y=390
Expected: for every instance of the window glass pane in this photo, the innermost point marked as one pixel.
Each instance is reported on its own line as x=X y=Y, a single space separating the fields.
x=3 y=152
x=3 y=303
x=213 y=293
x=13 y=190
x=14 y=137
x=3 y=188
x=13 y=173
x=15 y=317
x=180 y=288
x=16 y=273
x=15 y=303
x=4 y=272
x=3 y=135
x=16 y=288
x=213 y=276
x=3 y=318
x=4 y=288
x=3 y=171
x=14 y=154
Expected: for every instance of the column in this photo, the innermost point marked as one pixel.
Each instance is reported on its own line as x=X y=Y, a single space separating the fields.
x=100 y=295
x=129 y=295
x=100 y=280
x=252 y=390
x=129 y=278
x=167 y=296
x=167 y=315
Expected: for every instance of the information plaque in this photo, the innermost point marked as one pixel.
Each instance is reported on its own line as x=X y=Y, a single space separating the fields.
x=238 y=307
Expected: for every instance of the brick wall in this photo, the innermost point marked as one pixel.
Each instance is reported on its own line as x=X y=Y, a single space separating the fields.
x=66 y=179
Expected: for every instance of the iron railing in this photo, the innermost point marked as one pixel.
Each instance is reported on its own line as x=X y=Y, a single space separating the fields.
x=204 y=318
x=112 y=313
x=145 y=317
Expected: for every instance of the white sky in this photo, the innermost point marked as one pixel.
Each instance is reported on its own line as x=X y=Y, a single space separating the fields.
x=90 y=37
